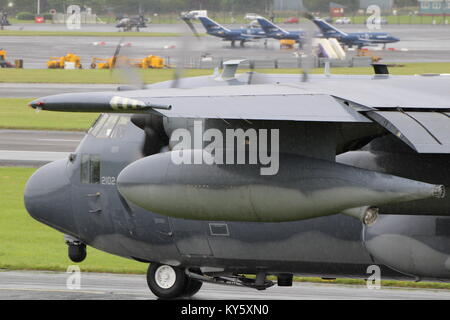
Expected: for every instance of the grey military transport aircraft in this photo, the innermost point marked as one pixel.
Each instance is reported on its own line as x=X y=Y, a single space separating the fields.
x=363 y=165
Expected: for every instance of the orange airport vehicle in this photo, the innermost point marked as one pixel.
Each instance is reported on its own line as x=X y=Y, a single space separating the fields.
x=363 y=52
x=70 y=60
x=287 y=43
x=149 y=62
x=102 y=63
x=5 y=64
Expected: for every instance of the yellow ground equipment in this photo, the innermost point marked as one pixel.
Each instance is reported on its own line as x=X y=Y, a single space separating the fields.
x=153 y=62
x=287 y=43
x=69 y=60
x=6 y=64
x=367 y=53
x=100 y=63
x=109 y=63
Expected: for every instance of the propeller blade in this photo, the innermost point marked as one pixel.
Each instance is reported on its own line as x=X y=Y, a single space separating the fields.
x=126 y=72
x=306 y=45
x=190 y=25
x=116 y=54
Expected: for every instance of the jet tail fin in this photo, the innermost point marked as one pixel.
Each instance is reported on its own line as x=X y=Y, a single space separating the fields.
x=269 y=27
x=326 y=28
x=211 y=24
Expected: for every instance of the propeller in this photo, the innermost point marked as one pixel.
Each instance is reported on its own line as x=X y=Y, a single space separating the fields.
x=127 y=73
x=151 y=124
x=187 y=48
x=188 y=20
x=155 y=135
x=306 y=45
x=116 y=54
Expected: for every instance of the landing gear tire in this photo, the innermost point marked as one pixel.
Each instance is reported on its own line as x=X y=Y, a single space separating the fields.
x=193 y=286
x=167 y=282
x=77 y=252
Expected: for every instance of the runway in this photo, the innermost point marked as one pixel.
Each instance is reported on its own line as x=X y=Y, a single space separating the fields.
x=34 y=285
x=33 y=90
x=424 y=43
x=35 y=148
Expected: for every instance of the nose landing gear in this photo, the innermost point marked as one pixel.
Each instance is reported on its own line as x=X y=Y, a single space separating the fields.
x=76 y=249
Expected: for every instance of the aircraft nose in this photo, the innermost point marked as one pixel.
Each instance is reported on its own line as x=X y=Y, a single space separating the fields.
x=47 y=196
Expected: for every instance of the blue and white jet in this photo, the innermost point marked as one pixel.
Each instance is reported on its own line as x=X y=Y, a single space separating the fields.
x=242 y=35
x=358 y=39
x=276 y=32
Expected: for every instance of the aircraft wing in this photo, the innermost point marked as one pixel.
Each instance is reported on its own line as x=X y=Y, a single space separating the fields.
x=415 y=109
x=424 y=131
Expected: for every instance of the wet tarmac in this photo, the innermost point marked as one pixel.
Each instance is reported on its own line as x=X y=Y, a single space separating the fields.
x=34 y=285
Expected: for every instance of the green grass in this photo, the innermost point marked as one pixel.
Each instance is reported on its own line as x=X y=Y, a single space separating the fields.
x=29 y=245
x=156 y=75
x=90 y=76
x=15 y=114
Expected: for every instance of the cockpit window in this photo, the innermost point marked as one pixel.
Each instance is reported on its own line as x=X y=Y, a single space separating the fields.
x=90 y=169
x=110 y=126
x=119 y=129
x=98 y=124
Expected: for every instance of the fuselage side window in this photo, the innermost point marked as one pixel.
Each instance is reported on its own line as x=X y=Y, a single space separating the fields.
x=90 y=169
x=95 y=169
x=85 y=168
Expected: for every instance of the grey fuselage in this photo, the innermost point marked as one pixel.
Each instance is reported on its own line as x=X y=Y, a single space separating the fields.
x=79 y=197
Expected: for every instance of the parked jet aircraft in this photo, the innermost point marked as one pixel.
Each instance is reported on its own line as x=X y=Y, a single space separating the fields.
x=358 y=39
x=242 y=35
x=276 y=32
x=360 y=180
